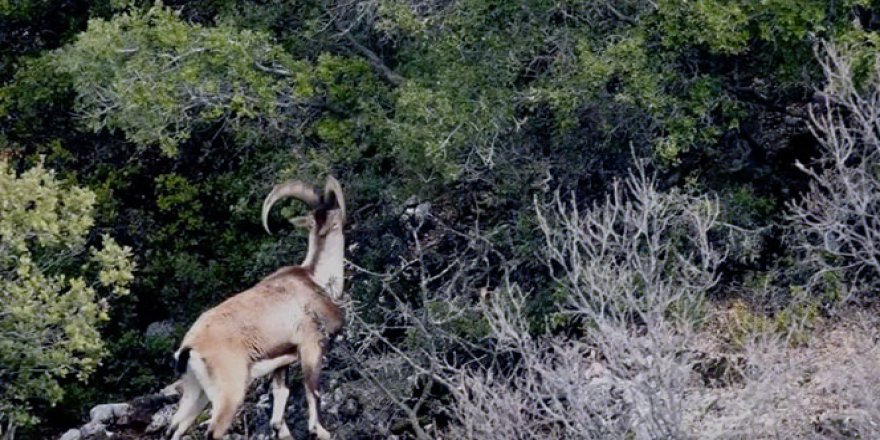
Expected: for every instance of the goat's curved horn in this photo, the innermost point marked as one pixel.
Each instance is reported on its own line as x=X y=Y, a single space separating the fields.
x=333 y=187
x=291 y=188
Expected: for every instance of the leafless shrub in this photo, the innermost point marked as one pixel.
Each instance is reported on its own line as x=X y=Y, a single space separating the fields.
x=837 y=224
x=634 y=268
x=411 y=341
x=639 y=256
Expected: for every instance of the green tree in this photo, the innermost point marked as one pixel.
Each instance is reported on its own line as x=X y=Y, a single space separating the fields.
x=156 y=78
x=51 y=284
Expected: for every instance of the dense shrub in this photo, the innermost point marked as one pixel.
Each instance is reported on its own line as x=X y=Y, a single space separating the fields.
x=54 y=290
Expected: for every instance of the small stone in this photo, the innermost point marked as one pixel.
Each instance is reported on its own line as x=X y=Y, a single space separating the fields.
x=72 y=434
x=160 y=329
x=264 y=401
x=93 y=430
x=349 y=409
x=108 y=412
x=171 y=390
x=161 y=419
x=143 y=408
x=418 y=213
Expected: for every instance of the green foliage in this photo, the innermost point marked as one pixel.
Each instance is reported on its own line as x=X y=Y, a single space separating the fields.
x=156 y=78
x=748 y=209
x=794 y=322
x=469 y=325
x=35 y=85
x=51 y=307
x=178 y=199
x=720 y=26
x=862 y=48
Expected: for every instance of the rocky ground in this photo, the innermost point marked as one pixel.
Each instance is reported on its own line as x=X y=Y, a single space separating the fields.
x=146 y=417
x=767 y=388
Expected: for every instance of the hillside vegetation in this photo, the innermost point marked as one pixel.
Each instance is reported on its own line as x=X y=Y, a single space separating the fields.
x=568 y=219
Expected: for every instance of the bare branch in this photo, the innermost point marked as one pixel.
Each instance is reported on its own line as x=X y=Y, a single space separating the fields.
x=374 y=60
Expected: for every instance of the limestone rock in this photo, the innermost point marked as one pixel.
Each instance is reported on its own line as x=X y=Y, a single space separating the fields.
x=161 y=419
x=94 y=431
x=109 y=412
x=160 y=329
x=72 y=434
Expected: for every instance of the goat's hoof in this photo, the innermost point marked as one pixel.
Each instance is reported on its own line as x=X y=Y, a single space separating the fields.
x=282 y=433
x=321 y=433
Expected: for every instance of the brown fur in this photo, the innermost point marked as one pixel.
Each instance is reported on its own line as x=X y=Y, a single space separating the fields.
x=237 y=333
x=285 y=314
x=286 y=317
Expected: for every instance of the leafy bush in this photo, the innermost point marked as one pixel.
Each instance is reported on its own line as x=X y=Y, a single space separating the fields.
x=51 y=307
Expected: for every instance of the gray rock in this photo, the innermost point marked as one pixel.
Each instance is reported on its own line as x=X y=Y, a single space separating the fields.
x=72 y=434
x=417 y=214
x=94 y=431
x=264 y=402
x=143 y=408
x=109 y=412
x=160 y=329
x=172 y=390
x=349 y=409
x=161 y=419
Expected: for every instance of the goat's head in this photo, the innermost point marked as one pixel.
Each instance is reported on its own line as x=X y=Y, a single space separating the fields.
x=327 y=210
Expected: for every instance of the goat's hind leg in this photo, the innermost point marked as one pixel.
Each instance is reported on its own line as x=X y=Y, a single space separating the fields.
x=280 y=393
x=192 y=401
x=310 y=356
x=226 y=393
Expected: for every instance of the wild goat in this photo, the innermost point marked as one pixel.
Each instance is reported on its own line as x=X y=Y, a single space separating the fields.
x=288 y=316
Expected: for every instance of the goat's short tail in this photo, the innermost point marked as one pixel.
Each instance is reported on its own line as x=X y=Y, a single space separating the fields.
x=182 y=360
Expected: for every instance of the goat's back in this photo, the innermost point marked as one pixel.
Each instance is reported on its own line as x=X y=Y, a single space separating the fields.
x=267 y=320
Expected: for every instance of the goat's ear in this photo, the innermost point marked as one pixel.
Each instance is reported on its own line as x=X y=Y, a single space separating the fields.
x=301 y=222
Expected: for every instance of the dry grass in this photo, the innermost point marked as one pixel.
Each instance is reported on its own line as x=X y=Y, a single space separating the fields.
x=825 y=388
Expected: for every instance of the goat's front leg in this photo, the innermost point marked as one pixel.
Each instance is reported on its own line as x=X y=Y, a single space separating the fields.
x=280 y=392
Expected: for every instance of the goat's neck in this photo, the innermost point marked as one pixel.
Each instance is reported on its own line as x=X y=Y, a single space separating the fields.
x=326 y=261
